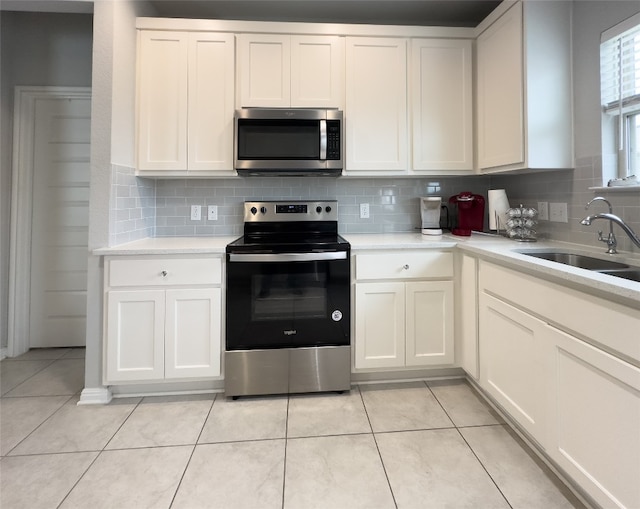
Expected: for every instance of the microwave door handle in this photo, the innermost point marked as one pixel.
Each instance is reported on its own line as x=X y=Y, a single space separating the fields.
x=323 y=140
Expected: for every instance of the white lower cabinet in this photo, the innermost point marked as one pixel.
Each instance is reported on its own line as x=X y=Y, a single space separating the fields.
x=135 y=335
x=543 y=360
x=401 y=322
x=159 y=334
x=595 y=419
x=512 y=364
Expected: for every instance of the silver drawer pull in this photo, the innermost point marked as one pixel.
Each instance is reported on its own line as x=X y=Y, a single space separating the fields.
x=164 y=273
x=405 y=267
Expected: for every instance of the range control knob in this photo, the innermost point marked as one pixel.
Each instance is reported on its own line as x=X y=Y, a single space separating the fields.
x=263 y=210
x=318 y=209
x=254 y=210
x=328 y=209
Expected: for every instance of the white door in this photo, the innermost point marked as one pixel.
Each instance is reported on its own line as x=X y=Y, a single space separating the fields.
x=376 y=104
x=59 y=233
x=429 y=327
x=380 y=325
x=163 y=95
x=135 y=335
x=192 y=333
x=264 y=67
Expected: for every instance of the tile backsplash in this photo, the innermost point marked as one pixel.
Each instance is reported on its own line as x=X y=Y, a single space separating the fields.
x=144 y=207
x=393 y=202
x=572 y=187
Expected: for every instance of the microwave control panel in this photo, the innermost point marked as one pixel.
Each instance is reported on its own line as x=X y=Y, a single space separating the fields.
x=333 y=139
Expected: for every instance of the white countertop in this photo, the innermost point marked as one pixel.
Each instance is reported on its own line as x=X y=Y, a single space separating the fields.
x=489 y=247
x=169 y=245
x=506 y=252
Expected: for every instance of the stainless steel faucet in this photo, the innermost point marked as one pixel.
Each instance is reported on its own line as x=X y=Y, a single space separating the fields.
x=610 y=241
x=612 y=218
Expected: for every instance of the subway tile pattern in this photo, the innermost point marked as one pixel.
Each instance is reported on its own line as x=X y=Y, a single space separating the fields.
x=132 y=213
x=393 y=202
x=420 y=444
x=572 y=187
x=146 y=208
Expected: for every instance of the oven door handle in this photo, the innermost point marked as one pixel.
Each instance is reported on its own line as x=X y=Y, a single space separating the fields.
x=288 y=257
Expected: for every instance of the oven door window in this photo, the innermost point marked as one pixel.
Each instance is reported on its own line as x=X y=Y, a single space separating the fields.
x=276 y=305
x=289 y=296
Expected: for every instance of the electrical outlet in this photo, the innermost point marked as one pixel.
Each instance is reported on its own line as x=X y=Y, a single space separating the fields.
x=195 y=213
x=558 y=212
x=364 y=211
x=212 y=213
x=543 y=211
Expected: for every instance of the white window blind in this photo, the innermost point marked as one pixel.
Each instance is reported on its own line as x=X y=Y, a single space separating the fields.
x=620 y=67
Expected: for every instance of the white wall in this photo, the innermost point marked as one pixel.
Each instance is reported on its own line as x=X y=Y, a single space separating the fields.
x=112 y=142
x=39 y=49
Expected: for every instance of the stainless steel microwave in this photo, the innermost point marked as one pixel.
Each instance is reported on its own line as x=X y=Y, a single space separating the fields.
x=283 y=141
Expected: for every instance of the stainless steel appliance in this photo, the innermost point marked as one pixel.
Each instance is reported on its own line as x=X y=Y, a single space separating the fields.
x=289 y=142
x=288 y=301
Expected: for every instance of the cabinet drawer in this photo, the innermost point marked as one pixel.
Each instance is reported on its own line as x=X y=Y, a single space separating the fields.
x=404 y=265
x=160 y=271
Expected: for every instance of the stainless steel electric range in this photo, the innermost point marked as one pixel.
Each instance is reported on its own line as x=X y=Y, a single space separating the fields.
x=288 y=301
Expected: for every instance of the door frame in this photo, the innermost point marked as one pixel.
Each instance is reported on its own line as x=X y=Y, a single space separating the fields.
x=22 y=171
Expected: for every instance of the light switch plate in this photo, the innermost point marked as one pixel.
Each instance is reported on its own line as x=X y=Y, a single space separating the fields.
x=558 y=212
x=212 y=213
x=543 y=211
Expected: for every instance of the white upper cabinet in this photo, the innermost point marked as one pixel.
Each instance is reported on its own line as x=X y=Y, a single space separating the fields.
x=211 y=92
x=162 y=100
x=524 y=97
x=442 y=105
x=376 y=105
x=185 y=103
x=297 y=71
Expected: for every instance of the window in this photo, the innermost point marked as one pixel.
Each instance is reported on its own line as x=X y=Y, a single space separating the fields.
x=620 y=92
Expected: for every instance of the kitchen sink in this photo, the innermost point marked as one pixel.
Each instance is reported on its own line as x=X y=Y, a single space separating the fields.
x=577 y=260
x=632 y=274
x=608 y=267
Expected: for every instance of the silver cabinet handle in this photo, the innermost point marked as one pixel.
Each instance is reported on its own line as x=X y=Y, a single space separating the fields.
x=405 y=267
x=164 y=273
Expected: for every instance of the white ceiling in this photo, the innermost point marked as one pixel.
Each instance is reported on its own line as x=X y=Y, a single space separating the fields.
x=385 y=12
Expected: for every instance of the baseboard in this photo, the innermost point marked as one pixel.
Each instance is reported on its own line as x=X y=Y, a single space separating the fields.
x=95 y=396
x=427 y=374
x=3 y=352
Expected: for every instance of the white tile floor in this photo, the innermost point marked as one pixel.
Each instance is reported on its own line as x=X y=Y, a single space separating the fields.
x=423 y=445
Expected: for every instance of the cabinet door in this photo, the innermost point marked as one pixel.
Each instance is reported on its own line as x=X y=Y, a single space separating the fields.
x=317 y=72
x=376 y=105
x=162 y=97
x=500 y=91
x=512 y=367
x=134 y=335
x=441 y=104
x=211 y=101
x=264 y=66
x=380 y=325
x=596 y=417
x=192 y=337
x=429 y=326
